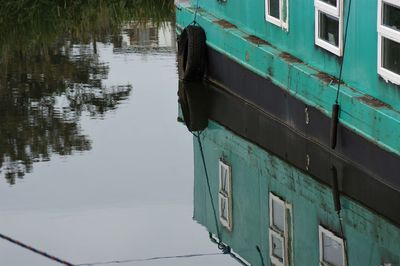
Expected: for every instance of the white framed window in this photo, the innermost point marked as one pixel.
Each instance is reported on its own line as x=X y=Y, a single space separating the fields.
x=329 y=25
x=224 y=178
x=225 y=195
x=331 y=249
x=277 y=248
x=389 y=40
x=277 y=12
x=279 y=215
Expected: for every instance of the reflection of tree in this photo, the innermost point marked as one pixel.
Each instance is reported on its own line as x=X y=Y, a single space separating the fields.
x=41 y=99
x=50 y=74
x=27 y=24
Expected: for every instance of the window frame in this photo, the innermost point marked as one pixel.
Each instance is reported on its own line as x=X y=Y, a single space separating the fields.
x=275 y=260
x=334 y=11
x=225 y=167
x=275 y=231
x=322 y=230
x=272 y=198
x=284 y=24
x=225 y=195
x=390 y=34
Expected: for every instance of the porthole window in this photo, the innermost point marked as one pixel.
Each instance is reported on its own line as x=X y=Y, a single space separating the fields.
x=331 y=248
x=277 y=12
x=329 y=25
x=389 y=40
x=225 y=195
x=279 y=230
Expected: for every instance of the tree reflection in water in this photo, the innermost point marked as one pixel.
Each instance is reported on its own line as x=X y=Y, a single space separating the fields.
x=50 y=73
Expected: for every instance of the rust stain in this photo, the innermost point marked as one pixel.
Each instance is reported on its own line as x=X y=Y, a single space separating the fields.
x=290 y=58
x=256 y=40
x=326 y=78
x=225 y=24
x=373 y=102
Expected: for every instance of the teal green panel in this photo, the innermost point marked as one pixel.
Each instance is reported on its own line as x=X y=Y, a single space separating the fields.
x=360 y=67
x=370 y=118
x=371 y=240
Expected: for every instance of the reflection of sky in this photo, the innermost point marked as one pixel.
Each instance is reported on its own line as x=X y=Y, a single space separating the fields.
x=129 y=197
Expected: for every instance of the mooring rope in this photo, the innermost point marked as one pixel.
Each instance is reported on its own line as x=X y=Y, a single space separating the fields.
x=64 y=262
x=344 y=52
x=34 y=250
x=344 y=240
x=225 y=249
x=336 y=106
x=195 y=13
x=261 y=256
x=208 y=184
x=333 y=142
x=338 y=207
x=150 y=259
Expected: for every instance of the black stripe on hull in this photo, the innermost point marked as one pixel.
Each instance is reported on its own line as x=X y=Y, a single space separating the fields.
x=261 y=112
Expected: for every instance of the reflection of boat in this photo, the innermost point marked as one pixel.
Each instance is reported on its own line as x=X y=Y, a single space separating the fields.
x=146 y=37
x=284 y=191
x=287 y=84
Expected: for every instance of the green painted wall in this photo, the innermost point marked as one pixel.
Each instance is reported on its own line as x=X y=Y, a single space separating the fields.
x=371 y=239
x=373 y=120
x=360 y=68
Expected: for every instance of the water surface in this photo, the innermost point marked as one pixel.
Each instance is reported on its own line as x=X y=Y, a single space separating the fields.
x=94 y=166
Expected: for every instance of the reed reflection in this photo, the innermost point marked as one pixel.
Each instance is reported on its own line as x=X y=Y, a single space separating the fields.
x=51 y=73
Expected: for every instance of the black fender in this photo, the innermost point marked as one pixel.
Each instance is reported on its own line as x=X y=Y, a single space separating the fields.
x=192 y=53
x=193 y=100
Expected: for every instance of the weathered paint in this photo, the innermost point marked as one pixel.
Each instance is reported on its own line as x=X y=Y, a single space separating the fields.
x=360 y=66
x=275 y=58
x=371 y=240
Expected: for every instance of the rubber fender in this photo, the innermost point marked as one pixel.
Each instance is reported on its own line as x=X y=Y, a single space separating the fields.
x=192 y=53
x=193 y=99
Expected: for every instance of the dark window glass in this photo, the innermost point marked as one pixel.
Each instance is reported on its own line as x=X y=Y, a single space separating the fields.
x=331 y=2
x=329 y=29
x=391 y=55
x=274 y=8
x=391 y=16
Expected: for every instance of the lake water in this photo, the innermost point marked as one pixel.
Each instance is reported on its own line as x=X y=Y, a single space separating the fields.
x=94 y=165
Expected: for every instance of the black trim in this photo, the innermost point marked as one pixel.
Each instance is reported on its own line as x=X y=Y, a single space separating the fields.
x=261 y=112
x=290 y=111
x=258 y=127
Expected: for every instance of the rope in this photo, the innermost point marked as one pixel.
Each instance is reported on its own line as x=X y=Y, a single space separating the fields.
x=34 y=250
x=209 y=187
x=337 y=103
x=261 y=257
x=336 y=106
x=344 y=50
x=225 y=249
x=150 y=259
x=195 y=13
x=344 y=241
x=61 y=261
